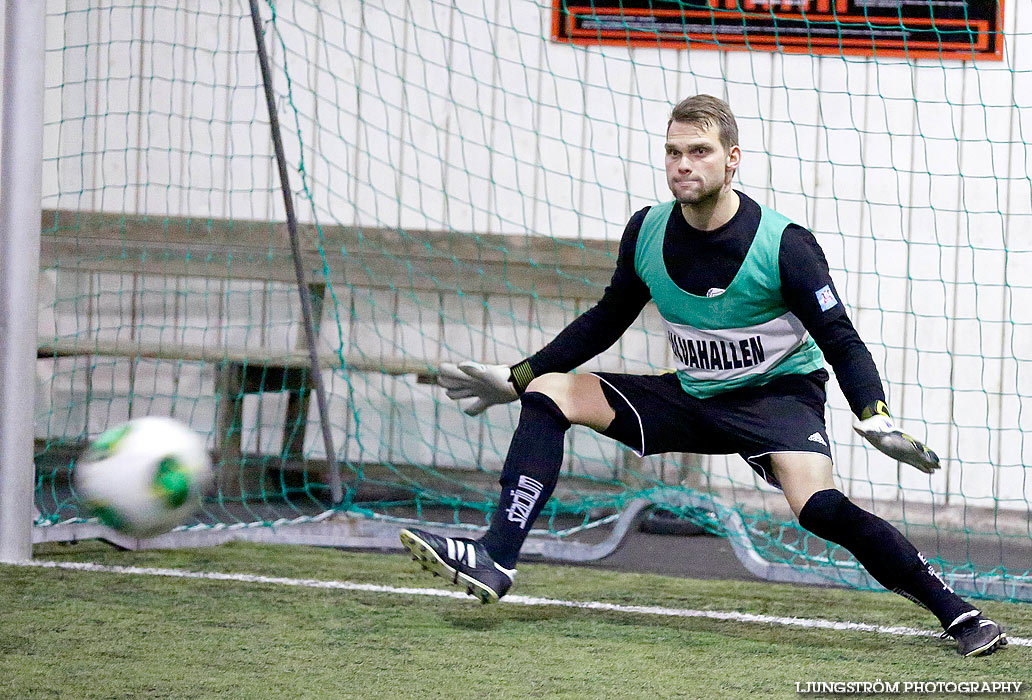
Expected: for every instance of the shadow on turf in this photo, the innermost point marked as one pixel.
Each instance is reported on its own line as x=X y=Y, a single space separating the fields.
x=474 y=623
x=813 y=643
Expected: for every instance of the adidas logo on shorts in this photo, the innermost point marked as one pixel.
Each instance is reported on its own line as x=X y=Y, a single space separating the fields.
x=816 y=437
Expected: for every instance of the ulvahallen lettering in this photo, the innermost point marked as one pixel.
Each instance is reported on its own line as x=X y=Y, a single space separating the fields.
x=718 y=354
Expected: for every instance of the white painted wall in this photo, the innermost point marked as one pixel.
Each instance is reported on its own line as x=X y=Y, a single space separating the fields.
x=463 y=116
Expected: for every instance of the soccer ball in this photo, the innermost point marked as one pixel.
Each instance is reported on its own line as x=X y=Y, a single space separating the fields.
x=143 y=477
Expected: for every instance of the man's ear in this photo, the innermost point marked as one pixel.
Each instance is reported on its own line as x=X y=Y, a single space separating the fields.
x=734 y=158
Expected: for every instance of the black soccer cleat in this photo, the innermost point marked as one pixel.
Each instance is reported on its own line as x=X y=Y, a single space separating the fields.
x=462 y=561
x=976 y=635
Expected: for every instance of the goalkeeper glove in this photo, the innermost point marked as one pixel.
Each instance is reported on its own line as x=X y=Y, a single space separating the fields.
x=876 y=425
x=477 y=386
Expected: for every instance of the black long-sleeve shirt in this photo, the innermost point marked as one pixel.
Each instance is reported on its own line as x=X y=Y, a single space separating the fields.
x=702 y=261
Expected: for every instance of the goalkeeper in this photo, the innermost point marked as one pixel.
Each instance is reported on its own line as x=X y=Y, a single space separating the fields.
x=748 y=306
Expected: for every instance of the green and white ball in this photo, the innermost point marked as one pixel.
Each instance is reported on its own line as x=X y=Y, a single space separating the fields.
x=143 y=477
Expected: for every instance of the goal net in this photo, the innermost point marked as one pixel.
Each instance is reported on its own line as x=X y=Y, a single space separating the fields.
x=462 y=172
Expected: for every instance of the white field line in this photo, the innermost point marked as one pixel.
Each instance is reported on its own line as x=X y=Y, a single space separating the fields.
x=509 y=599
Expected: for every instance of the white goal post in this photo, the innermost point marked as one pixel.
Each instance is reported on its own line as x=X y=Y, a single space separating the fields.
x=21 y=169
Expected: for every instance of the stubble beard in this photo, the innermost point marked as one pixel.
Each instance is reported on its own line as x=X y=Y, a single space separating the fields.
x=702 y=197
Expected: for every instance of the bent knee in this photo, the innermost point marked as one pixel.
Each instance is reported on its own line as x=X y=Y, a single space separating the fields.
x=578 y=396
x=557 y=387
x=551 y=383
x=825 y=513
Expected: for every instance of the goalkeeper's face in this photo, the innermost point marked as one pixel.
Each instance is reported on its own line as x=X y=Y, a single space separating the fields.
x=698 y=167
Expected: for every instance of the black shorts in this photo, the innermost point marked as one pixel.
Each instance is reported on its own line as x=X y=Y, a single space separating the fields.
x=654 y=415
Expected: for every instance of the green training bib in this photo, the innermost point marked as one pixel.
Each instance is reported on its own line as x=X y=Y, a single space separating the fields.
x=744 y=336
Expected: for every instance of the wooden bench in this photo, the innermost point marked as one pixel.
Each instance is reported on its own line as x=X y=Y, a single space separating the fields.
x=238 y=373
x=370 y=258
x=366 y=258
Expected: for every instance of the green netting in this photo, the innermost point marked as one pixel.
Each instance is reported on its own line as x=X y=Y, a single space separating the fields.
x=462 y=181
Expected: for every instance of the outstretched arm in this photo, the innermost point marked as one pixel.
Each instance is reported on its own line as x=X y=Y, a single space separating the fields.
x=811 y=295
x=596 y=330
x=478 y=386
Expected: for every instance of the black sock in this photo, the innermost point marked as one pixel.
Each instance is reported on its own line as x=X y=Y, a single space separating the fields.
x=883 y=551
x=529 y=476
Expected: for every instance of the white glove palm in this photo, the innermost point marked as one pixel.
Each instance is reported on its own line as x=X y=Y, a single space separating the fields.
x=881 y=431
x=476 y=386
